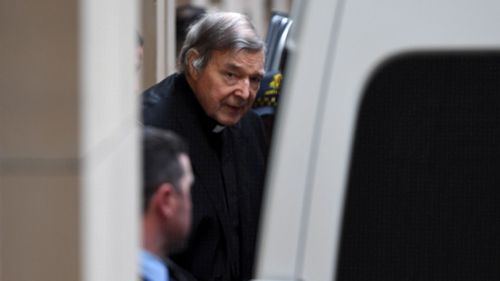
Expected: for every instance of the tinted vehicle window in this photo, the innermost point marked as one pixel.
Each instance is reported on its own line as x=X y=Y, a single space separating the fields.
x=423 y=199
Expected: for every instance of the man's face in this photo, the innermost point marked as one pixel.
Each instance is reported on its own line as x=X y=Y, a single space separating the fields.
x=227 y=86
x=180 y=224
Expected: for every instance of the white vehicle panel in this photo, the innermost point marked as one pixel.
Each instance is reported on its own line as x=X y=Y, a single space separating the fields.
x=312 y=152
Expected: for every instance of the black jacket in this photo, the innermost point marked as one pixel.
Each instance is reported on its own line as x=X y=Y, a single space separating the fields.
x=229 y=172
x=176 y=273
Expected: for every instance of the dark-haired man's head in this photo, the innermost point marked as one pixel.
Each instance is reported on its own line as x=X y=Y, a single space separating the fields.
x=168 y=178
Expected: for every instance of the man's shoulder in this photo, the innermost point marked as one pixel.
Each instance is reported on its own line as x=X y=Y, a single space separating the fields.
x=250 y=121
x=158 y=103
x=156 y=93
x=251 y=128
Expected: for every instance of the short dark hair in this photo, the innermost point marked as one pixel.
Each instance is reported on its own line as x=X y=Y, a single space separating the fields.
x=161 y=150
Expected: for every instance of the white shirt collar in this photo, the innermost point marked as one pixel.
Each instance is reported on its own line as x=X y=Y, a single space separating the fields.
x=218 y=128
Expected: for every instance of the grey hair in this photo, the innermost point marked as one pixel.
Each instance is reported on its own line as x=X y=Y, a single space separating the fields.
x=218 y=31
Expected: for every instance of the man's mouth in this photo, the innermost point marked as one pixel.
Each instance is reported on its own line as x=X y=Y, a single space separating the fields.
x=234 y=108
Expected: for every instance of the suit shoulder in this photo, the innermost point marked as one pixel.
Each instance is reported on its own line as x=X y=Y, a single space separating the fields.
x=252 y=127
x=155 y=103
x=156 y=93
x=251 y=119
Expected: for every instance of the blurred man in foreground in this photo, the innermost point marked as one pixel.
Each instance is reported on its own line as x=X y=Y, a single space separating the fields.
x=166 y=204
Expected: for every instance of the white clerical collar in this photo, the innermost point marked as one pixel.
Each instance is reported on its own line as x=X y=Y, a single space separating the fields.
x=218 y=128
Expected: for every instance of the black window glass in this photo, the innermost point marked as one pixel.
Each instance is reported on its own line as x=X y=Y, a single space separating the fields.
x=423 y=198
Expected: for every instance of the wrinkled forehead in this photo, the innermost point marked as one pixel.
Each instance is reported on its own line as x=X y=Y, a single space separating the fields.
x=243 y=60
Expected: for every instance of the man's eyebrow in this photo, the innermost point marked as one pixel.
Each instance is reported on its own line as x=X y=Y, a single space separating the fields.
x=233 y=67
x=237 y=68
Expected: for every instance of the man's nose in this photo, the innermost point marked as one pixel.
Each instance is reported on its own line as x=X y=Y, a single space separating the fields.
x=243 y=89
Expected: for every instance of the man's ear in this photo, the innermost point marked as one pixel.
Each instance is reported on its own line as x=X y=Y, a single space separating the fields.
x=192 y=56
x=164 y=199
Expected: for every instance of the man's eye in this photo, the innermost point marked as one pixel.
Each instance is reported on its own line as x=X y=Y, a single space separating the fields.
x=255 y=80
x=230 y=75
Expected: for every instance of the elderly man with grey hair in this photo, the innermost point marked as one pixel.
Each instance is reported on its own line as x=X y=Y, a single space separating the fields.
x=207 y=102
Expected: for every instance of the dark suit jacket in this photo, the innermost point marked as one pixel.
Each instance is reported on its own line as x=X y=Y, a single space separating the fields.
x=225 y=219
x=177 y=273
